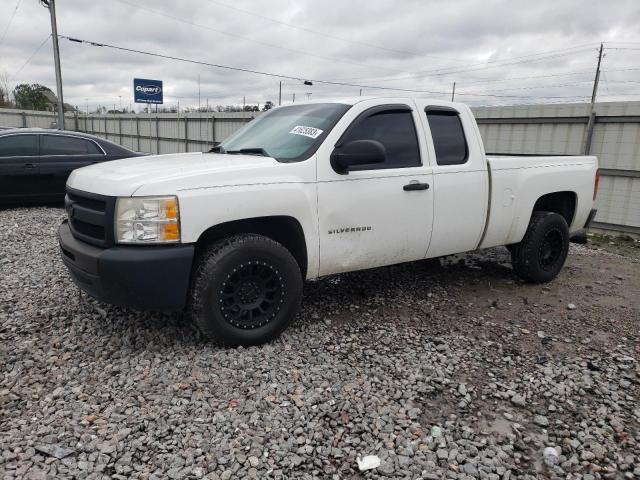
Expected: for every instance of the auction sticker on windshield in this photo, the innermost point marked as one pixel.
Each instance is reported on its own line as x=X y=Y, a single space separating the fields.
x=310 y=132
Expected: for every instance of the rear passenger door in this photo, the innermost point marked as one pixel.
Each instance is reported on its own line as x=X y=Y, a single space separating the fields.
x=18 y=166
x=460 y=178
x=60 y=155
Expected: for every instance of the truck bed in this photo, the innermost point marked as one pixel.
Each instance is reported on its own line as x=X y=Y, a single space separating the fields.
x=517 y=181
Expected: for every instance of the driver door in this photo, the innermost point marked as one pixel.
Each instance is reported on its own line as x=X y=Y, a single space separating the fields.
x=378 y=214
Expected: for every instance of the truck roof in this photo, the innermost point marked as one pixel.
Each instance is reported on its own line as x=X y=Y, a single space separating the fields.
x=354 y=100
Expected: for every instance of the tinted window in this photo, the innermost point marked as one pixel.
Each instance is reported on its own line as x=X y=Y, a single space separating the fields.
x=396 y=131
x=448 y=138
x=61 y=145
x=18 y=146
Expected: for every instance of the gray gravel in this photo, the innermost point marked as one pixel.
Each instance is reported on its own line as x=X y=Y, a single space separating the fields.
x=374 y=361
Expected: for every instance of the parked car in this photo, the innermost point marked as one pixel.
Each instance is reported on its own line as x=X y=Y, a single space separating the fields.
x=35 y=163
x=309 y=190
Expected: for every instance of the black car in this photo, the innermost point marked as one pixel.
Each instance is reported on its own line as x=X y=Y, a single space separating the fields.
x=35 y=163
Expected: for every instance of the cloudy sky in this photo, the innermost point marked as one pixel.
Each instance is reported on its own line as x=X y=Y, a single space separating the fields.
x=497 y=51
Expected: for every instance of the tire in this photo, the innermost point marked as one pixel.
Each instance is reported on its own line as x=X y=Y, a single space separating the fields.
x=246 y=290
x=541 y=254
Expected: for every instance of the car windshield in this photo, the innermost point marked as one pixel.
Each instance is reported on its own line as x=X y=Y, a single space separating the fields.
x=287 y=134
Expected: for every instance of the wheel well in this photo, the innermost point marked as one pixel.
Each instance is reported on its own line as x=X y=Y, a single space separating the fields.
x=562 y=203
x=285 y=230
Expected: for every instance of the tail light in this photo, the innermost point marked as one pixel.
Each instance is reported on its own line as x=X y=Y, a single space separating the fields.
x=596 y=184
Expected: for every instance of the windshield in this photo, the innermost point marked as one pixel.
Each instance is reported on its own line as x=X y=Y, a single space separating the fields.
x=287 y=134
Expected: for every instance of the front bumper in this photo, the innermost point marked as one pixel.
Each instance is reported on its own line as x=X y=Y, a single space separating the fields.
x=143 y=278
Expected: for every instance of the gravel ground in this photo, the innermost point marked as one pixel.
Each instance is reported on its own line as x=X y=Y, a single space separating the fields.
x=373 y=362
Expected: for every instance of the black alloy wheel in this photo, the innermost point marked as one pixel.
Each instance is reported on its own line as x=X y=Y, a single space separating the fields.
x=539 y=257
x=251 y=295
x=246 y=290
x=551 y=249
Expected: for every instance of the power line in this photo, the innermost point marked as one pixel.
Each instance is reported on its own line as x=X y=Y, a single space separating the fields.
x=30 y=57
x=234 y=35
x=15 y=10
x=323 y=34
x=483 y=66
x=626 y=68
x=527 y=77
x=619 y=81
x=301 y=79
x=533 y=87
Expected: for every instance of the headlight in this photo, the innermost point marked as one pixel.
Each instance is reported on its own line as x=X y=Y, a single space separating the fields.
x=147 y=220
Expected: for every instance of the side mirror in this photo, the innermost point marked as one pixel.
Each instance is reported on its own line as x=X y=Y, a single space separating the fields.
x=358 y=152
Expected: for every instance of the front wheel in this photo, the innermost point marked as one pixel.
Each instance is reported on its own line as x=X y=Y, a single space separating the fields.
x=539 y=257
x=246 y=290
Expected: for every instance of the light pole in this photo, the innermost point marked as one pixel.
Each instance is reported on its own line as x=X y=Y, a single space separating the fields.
x=120 y=97
x=51 y=5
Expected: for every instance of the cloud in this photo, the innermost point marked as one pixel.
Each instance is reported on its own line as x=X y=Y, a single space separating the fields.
x=379 y=43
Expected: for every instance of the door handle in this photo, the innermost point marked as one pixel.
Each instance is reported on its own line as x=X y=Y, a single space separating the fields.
x=29 y=165
x=415 y=186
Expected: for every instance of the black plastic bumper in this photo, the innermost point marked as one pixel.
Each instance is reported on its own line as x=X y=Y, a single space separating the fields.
x=143 y=278
x=581 y=236
x=590 y=218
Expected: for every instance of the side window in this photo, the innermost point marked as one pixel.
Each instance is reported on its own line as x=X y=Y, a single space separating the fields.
x=395 y=130
x=61 y=145
x=18 y=146
x=448 y=137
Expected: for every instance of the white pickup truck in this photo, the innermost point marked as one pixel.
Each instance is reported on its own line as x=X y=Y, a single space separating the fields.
x=308 y=190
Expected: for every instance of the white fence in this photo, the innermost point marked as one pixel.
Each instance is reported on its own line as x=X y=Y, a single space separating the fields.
x=561 y=129
x=155 y=133
x=541 y=129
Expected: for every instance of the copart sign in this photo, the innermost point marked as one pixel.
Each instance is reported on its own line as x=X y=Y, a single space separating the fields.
x=147 y=91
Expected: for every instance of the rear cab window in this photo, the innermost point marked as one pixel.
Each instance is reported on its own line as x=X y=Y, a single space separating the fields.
x=448 y=136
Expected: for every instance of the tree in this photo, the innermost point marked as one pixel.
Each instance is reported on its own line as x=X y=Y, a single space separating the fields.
x=4 y=91
x=30 y=96
x=268 y=105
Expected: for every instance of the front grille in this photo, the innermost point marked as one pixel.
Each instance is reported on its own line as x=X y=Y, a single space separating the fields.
x=90 y=217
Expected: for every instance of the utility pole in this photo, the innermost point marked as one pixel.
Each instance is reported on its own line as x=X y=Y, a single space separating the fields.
x=87 y=100
x=453 y=93
x=198 y=92
x=294 y=97
x=280 y=94
x=360 y=92
x=592 y=114
x=51 y=5
x=244 y=102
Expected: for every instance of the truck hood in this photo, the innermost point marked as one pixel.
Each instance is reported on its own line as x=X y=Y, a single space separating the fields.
x=181 y=171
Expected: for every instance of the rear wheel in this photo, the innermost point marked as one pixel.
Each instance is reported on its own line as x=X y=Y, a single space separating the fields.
x=246 y=290
x=539 y=257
